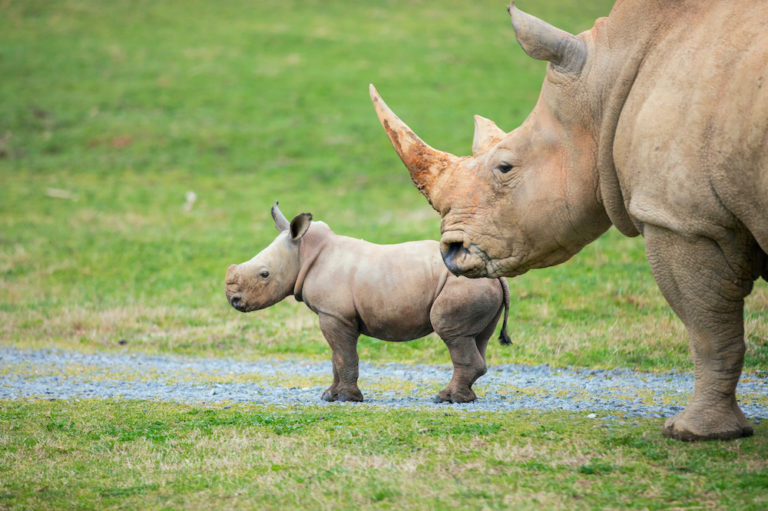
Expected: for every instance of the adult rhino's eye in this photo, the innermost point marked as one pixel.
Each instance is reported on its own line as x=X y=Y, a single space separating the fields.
x=504 y=167
x=264 y=274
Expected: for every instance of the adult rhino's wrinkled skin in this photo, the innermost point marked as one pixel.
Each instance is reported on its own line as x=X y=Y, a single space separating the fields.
x=390 y=292
x=655 y=121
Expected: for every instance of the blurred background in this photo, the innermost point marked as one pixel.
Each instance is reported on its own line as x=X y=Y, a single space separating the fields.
x=142 y=144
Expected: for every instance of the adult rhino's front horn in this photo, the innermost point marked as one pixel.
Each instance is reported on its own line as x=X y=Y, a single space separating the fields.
x=425 y=163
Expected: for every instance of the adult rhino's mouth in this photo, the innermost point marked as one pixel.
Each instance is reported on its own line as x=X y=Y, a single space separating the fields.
x=461 y=257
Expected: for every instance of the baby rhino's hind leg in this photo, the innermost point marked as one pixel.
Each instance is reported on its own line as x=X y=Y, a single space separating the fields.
x=468 y=366
x=464 y=315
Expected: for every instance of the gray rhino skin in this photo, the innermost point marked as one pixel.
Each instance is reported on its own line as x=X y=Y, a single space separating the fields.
x=390 y=292
x=655 y=121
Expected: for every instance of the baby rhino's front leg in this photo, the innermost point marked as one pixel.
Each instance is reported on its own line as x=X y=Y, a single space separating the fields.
x=342 y=338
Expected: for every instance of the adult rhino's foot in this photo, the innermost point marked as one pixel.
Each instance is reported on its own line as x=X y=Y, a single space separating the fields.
x=700 y=422
x=342 y=394
x=449 y=395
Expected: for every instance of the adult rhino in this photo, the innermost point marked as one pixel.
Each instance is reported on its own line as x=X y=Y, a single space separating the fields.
x=655 y=121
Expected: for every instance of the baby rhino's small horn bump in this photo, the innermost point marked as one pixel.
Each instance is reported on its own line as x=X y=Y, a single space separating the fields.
x=231 y=277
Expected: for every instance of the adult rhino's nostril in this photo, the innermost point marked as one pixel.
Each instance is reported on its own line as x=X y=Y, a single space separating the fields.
x=450 y=252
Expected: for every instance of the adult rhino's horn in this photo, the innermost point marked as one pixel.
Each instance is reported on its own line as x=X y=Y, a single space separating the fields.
x=487 y=135
x=423 y=162
x=542 y=41
x=281 y=223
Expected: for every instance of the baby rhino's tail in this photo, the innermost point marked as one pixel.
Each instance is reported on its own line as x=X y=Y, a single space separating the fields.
x=503 y=336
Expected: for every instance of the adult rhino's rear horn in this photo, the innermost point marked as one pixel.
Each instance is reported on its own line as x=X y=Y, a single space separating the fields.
x=542 y=41
x=423 y=162
x=487 y=135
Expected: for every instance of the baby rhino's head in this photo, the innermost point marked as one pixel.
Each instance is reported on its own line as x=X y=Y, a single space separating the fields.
x=271 y=274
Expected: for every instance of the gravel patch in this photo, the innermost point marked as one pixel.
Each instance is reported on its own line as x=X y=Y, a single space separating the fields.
x=60 y=374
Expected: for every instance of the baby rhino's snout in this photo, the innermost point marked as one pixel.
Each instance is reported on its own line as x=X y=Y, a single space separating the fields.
x=231 y=277
x=233 y=289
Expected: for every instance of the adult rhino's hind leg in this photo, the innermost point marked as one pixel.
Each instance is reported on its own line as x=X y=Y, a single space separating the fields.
x=343 y=341
x=706 y=284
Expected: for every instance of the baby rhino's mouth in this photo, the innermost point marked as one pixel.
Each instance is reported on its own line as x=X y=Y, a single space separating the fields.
x=232 y=288
x=237 y=302
x=460 y=257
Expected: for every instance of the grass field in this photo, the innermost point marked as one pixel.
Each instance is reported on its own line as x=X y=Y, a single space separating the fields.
x=141 y=455
x=111 y=112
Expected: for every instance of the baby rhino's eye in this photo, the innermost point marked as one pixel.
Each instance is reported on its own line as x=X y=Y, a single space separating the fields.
x=504 y=167
x=264 y=274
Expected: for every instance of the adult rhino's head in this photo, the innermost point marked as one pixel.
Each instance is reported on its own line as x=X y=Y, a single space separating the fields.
x=527 y=198
x=271 y=274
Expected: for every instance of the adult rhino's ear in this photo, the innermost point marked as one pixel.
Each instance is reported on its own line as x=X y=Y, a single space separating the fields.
x=542 y=41
x=281 y=223
x=299 y=225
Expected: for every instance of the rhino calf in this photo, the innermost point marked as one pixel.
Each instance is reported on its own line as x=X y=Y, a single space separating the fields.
x=390 y=292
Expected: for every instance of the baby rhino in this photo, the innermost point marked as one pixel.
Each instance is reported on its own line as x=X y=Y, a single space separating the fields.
x=390 y=292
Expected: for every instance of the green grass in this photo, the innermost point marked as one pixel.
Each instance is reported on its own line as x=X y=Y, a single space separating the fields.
x=107 y=454
x=110 y=112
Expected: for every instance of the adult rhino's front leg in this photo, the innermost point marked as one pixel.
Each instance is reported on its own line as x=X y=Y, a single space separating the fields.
x=706 y=284
x=342 y=338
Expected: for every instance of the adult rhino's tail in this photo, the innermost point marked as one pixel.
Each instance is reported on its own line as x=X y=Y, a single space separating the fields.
x=503 y=336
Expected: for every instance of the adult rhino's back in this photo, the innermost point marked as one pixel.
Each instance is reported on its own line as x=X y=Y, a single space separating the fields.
x=690 y=143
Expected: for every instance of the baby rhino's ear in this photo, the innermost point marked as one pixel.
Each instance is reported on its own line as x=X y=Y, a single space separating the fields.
x=281 y=223
x=299 y=225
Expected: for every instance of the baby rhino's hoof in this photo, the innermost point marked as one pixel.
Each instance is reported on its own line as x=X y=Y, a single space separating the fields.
x=332 y=394
x=447 y=396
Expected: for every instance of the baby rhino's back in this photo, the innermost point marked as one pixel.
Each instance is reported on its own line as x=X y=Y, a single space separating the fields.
x=394 y=286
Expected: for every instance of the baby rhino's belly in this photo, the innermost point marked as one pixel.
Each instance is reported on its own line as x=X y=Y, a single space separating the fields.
x=393 y=319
